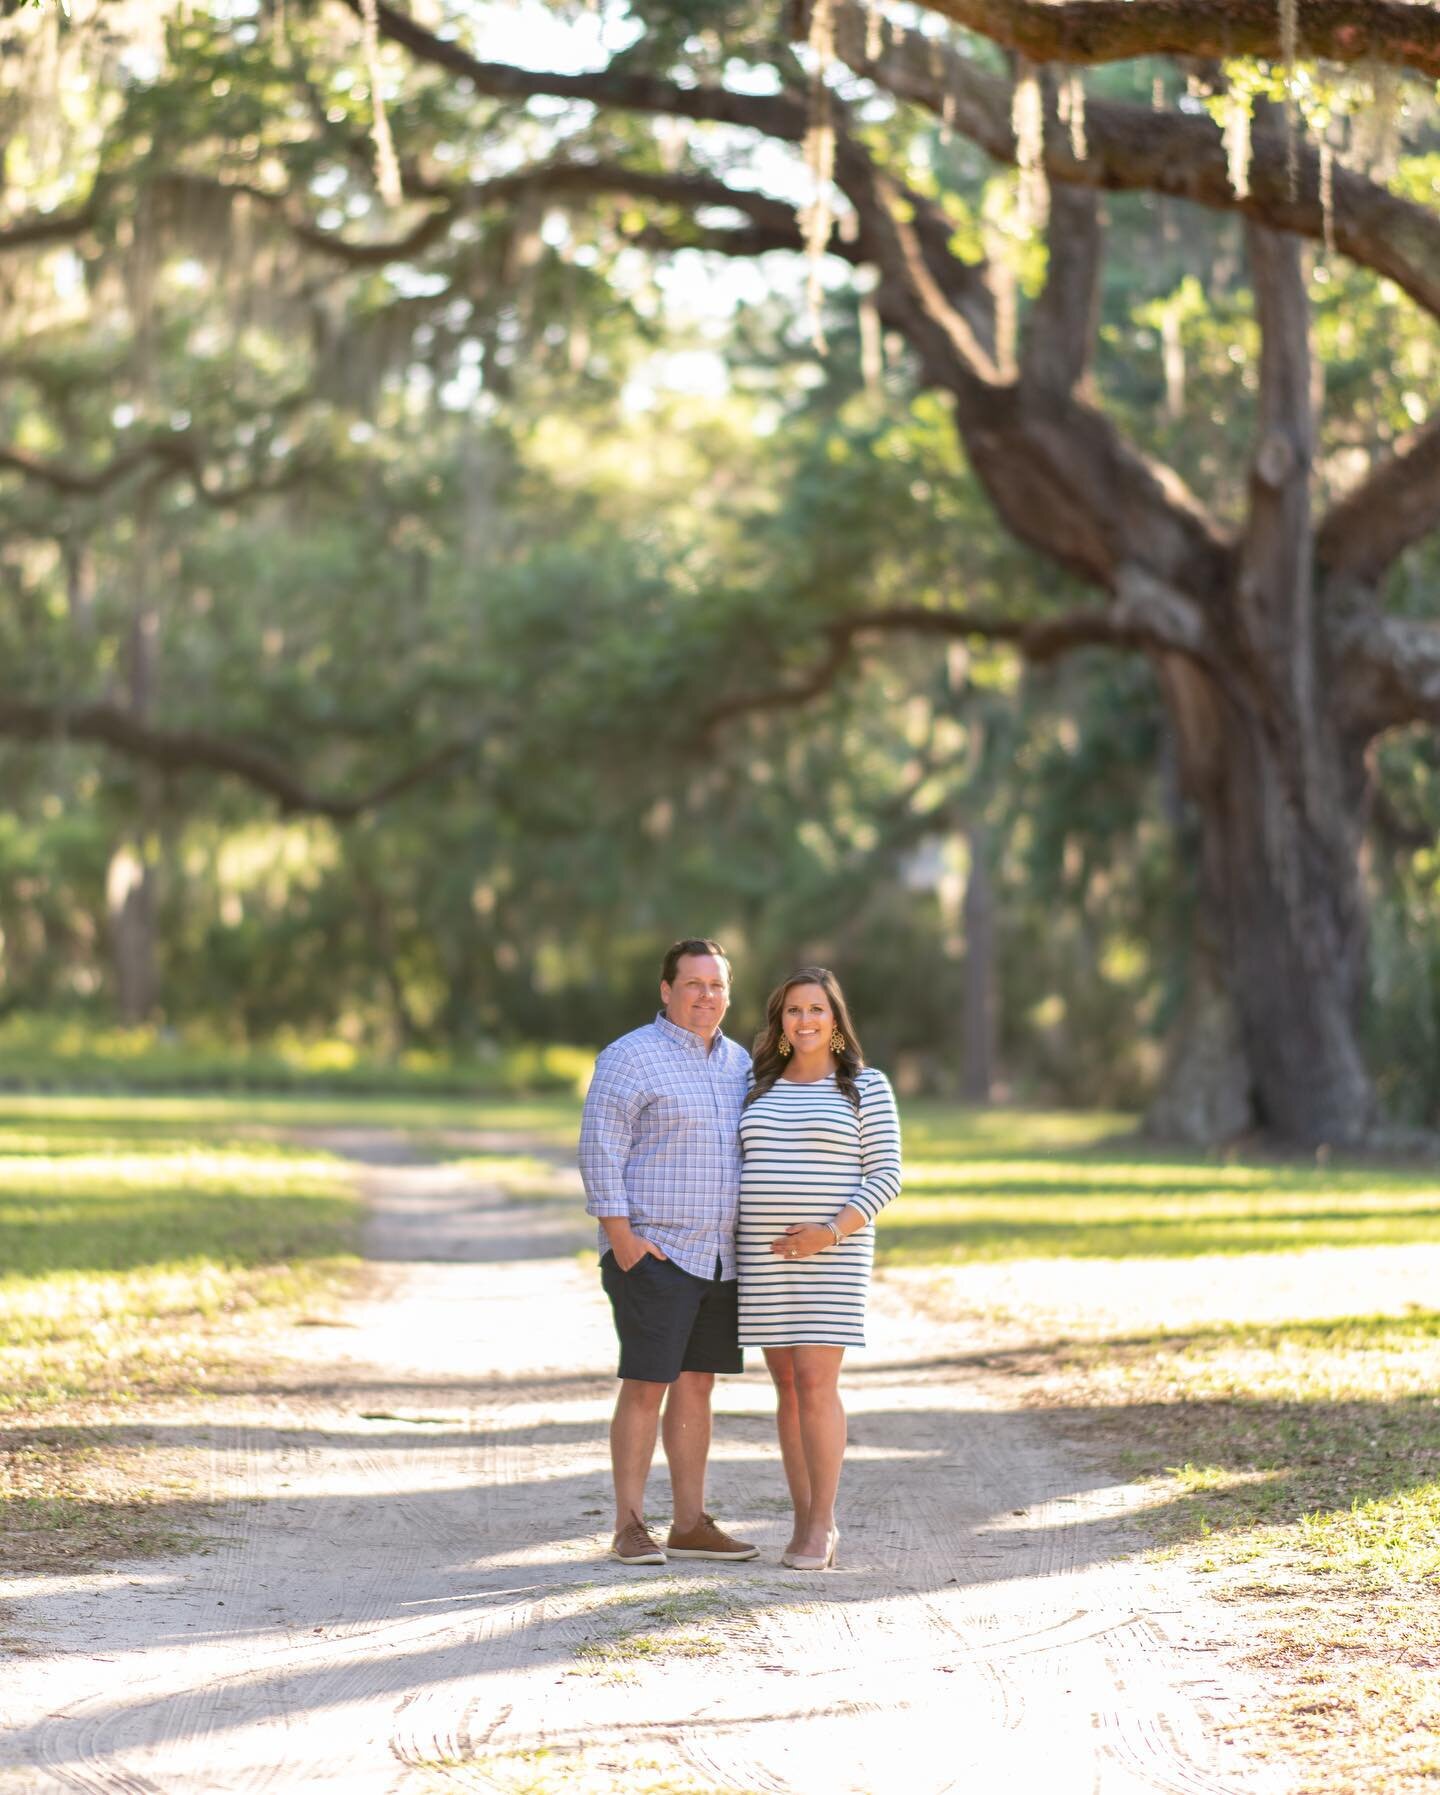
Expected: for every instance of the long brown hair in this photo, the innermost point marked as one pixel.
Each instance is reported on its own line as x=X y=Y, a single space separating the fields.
x=768 y=1060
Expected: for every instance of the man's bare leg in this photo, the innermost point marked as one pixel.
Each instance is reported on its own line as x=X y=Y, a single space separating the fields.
x=686 y=1432
x=632 y=1444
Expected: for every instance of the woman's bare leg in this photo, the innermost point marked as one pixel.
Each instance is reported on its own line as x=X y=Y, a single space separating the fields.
x=781 y=1361
x=822 y=1440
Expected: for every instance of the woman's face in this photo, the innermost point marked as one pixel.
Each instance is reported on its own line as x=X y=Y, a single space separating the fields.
x=806 y=1018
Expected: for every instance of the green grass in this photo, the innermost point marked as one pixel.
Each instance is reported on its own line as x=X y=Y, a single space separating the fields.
x=118 y=1219
x=77 y=1053
x=1015 y=1185
x=655 y=1624
x=553 y=1118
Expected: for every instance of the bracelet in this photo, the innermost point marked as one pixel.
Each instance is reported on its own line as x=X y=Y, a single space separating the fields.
x=834 y=1228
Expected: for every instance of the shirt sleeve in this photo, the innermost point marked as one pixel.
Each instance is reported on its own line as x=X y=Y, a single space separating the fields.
x=607 y=1134
x=879 y=1147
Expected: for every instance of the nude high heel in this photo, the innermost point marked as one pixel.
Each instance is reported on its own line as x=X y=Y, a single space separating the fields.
x=795 y=1561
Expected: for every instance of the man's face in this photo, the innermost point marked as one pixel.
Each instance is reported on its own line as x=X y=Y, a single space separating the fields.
x=700 y=995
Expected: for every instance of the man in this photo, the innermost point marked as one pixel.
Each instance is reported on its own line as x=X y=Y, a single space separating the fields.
x=660 y=1156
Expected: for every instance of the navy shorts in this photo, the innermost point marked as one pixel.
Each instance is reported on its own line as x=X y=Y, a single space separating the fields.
x=669 y=1321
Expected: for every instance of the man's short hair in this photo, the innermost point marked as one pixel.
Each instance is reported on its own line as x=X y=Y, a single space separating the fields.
x=694 y=946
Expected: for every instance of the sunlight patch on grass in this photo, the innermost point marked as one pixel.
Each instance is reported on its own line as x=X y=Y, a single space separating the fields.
x=115 y=1264
x=677 y=1644
x=1322 y=1437
x=1390 y=1541
x=555 y=1118
x=930 y=1123
x=135 y=1253
x=1019 y=1185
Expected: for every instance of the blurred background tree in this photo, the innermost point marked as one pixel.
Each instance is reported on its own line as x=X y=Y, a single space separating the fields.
x=441 y=563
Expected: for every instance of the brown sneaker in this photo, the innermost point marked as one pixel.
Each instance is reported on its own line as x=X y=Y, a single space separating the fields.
x=708 y=1541
x=633 y=1544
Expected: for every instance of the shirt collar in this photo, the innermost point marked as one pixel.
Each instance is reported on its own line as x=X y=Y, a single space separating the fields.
x=686 y=1037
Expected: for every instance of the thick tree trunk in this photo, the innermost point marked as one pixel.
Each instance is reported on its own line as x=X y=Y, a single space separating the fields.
x=1282 y=893
x=1295 y=915
x=1206 y=1096
x=1279 y=786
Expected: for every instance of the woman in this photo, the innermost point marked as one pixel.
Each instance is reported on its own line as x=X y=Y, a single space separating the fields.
x=821 y=1145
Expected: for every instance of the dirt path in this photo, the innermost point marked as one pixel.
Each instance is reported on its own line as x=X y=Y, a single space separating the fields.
x=407 y=1590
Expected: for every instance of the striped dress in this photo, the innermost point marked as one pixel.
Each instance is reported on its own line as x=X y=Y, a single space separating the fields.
x=806 y=1155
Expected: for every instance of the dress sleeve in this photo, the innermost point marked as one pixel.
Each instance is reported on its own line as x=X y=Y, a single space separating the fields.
x=607 y=1134
x=879 y=1146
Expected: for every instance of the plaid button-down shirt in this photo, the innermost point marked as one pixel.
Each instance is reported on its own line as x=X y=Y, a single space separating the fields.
x=660 y=1142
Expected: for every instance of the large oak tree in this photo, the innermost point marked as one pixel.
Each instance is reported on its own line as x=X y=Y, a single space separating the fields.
x=1279 y=662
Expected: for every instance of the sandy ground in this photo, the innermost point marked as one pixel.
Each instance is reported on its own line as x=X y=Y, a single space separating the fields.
x=406 y=1588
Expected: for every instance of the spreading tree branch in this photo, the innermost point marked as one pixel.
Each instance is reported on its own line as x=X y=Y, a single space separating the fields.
x=1145 y=616
x=184 y=750
x=782 y=116
x=1127 y=147
x=1363 y=533
x=953 y=333
x=1112 y=497
x=778 y=115
x=1057 y=469
x=174 y=454
x=81 y=482
x=1391 y=673
x=54 y=227
x=555 y=179
x=1099 y=31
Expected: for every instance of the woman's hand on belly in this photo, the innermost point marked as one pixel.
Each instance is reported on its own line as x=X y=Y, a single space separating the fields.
x=801 y=1241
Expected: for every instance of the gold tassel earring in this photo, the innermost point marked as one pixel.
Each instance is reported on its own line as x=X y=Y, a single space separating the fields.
x=837 y=1041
